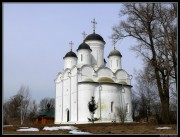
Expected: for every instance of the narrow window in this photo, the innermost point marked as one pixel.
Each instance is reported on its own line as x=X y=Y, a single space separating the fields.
x=117 y=62
x=111 y=63
x=112 y=103
x=81 y=57
x=127 y=108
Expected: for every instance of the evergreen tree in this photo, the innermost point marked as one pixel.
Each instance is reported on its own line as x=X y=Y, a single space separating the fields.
x=92 y=106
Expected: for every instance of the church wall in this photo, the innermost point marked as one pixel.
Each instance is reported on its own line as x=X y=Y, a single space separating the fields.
x=85 y=92
x=97 y=48
x=69 y=62
x=109 y=94
x=87 y=71
x=58 y=102
x=127 y=98
x=66 y=98
x=114 y=63
x=104 y=72
x=74 y=95
x=122 y=76
x=84 y=57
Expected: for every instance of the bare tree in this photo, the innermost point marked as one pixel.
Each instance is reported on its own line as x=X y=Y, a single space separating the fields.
x=17 y=105
x=24 y=96
x=43 y=104
x=135 y=105
x=33 y=110
x=6 y=112
x=153 y=25
x=122 y=113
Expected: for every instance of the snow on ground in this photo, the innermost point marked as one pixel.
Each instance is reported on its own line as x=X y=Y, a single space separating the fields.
x=164 y=128
x=72 y=128
x=60 y=128
x=7 y=125
x=78 y=132
x=28 y=129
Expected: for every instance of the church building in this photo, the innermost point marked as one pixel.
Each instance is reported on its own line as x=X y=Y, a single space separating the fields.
x=86 y=74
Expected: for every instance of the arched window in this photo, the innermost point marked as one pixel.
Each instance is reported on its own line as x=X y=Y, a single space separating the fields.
x=67 y=110
x=117 y=62
x=112 y=105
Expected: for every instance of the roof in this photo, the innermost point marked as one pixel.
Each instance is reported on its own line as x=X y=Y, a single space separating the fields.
x=115 y=53
x=105 y=79
x=88 y=80
x=48 y=113
x=70 y=54
x=122 y=82
x=84 y=46
x=94 y=36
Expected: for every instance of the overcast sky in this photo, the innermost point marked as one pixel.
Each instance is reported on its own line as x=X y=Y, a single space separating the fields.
x=36 y=37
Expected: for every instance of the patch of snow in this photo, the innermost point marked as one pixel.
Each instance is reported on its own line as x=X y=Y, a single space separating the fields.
x=73 y=130
x=28 y=129
x=7 y=125
x=164 y=128
x=51 y=128
x=60 y=128
x=78 y=132
x=68 y=127
x=23 y=127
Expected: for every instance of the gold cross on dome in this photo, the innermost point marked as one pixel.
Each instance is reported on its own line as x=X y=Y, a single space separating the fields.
x=94 y=23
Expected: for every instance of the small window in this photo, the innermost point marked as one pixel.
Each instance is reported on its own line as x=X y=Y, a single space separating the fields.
x=81 y=57
x=117 y=62
x=111 y=63
x=112 y=103
x=127 y=108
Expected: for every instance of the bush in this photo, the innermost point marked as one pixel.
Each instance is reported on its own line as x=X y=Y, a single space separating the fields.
x=94 y=119
x=5 y=121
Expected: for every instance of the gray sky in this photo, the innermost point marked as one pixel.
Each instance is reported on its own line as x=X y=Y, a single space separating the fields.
x=36 y=37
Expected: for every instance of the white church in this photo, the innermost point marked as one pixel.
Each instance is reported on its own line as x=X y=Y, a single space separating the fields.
x=85 y=75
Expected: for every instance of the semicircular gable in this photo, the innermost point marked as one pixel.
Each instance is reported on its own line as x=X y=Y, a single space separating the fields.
x=74 y=70
x=121 y=75
x=104 y=72
x=66 y=72
x=87 y=70
x=58 y=77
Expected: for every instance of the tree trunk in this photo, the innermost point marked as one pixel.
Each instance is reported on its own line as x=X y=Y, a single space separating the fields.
x=162 y=87
x=93 y=118
x=165 y=110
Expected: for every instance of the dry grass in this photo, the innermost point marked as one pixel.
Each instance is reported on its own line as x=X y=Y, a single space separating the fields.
x=100 y=128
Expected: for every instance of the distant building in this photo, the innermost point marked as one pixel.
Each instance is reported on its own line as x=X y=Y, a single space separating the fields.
x=86 y=75
x=46 y=117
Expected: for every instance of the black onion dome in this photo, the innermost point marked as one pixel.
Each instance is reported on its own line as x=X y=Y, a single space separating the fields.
x=70 y=54
x=115 y=53
x=84 y=46
x=94 y=36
